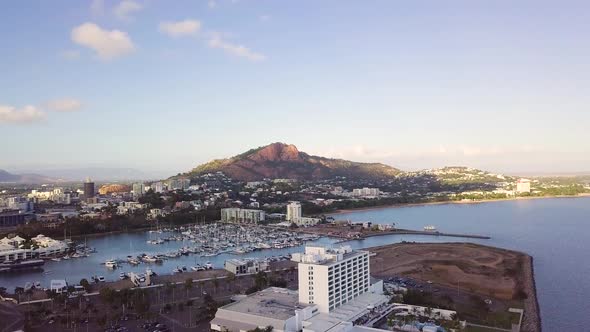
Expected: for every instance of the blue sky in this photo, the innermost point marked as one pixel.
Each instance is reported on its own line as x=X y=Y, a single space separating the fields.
x=163 y=86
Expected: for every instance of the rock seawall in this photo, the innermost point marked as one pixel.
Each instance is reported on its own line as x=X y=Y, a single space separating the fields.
x=532 y=315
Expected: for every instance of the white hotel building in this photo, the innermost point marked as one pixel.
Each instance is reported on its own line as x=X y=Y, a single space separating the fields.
x=335 y=289
x=332 y=277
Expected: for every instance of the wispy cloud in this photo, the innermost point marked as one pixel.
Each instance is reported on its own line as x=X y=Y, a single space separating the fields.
x=108 y=44
x=25 y=115
x=212 y=4
x=64 y=105
x=186 y=27
x=217 y=41
x=126 y=8
x=264 y=18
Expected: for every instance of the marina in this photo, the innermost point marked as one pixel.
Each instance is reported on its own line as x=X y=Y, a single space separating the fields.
x=163 y=251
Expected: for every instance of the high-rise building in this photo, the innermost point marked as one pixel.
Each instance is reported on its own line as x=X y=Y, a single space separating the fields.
x=294 y=212
x=138 y=190
x=89 y=189
x=330 y=278
x=523 y=186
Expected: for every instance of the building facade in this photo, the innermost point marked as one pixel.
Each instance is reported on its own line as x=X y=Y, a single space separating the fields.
x=523 y=186
x=330 y=278
x=89 y=189
x=294 y=212
x=237 y=215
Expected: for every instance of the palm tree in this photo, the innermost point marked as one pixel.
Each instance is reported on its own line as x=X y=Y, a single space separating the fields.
x=188 y=285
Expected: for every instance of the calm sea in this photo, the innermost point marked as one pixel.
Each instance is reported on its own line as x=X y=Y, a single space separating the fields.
x=555 y=231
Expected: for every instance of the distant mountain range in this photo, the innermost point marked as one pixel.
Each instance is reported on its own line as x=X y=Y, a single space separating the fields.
x=75 y=175
x=6 y=177
x=285 y=161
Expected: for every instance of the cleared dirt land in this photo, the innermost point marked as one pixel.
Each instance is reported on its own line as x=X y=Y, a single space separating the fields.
x=478 y=269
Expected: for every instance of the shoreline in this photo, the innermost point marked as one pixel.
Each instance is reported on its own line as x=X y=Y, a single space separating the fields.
x=531 y=312
x=532 y=320
x=403 y=205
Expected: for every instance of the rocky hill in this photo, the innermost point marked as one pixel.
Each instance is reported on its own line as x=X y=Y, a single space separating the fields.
x=285 y=161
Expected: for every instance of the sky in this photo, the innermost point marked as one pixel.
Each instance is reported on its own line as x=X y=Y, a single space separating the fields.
x=164 y=86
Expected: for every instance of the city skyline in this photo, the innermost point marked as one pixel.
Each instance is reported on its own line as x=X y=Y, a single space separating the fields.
x=417 y=85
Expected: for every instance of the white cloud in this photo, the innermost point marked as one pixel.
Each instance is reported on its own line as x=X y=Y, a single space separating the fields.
x=126 y=8
x=27 y=114
x=64 y=105
x=97 y=7
x=107 y=44
x=180 y=28
x=212 y=4
x=216 y=41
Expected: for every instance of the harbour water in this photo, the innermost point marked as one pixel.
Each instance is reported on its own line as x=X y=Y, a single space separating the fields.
x=554 y=231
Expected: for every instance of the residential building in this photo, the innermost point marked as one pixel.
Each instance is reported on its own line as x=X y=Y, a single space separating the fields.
x=366 y=192
x=523 y=186
x=179 y=184
x=245 y=266
x=294 y=215
x=138 y=190
x=293 y=211
x=21 y=204
x=237 y=215
x=47 y=247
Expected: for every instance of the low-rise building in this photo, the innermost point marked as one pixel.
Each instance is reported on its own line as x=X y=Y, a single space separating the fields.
x=276 y=307
x=237 y=215
x=245 y=266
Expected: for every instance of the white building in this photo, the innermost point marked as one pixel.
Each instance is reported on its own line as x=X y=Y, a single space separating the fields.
x=276 y=307
x=332 y=277
x=294 y=215
x=330 y=273
x=245 y=266
x=46 y=247
x=366 y=192
x=138 y=190
x=293 y=211
x=237 y=215
x=523 y=186
x=155 y=213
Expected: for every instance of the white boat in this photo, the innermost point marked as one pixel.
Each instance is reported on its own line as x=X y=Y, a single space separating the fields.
x=101 y=279
x=111 y=264
x=56 y=259
x=209 y=266
x=430 y=228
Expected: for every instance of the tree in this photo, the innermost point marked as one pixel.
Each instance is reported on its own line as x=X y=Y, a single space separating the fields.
x=84 y=283
x=210 y=305
x=215 y=283
x=107 y=295
x=188 y=285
